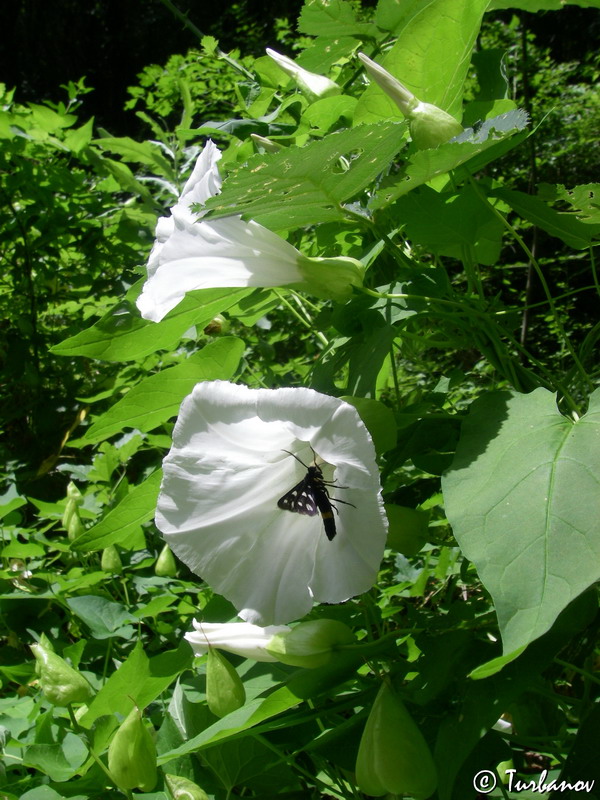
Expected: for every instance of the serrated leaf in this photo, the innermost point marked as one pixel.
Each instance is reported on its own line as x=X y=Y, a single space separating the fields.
x=565 y=226
x=122 y=334
x=522 y=498
x=305 y=185
x=157 y=398
x=471 y=148
x=136 y=508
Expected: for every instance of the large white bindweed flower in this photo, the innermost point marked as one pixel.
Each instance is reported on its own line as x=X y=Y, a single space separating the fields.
x=228 y=468
x=241 y=638
x=191 y=252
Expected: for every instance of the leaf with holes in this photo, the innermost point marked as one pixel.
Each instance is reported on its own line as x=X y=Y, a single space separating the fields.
x=305 y=185
x=522 y=498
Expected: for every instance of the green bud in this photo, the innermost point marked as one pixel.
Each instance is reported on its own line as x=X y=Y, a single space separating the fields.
x=182 y=789
x=111 y=560
x=310 y=644
x=165 y=566
x=217 y=325
x=331 y=277
x=224 y=689
x=393 y=757
x=61 y=684
x=429 y=125
x=75 y=527
x=132 y=755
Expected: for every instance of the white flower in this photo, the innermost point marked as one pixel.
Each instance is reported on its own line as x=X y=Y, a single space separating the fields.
x=227 y=470
x=195 y=253
x=240 y=638
x=313 y=85
x=429 y=125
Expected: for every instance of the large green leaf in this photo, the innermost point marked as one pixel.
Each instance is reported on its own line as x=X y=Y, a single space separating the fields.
x=136 y=508
x=564 y=225
x=471 y=150
x=122 y=334
x=431 y=55
x=332 y=18
x=305 y=185
x=522 y=498
x=157 y=398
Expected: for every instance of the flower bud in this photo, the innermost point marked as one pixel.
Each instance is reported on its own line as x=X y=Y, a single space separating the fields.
x=70 y=518
x=224 y=689
x=111 y=560
x=132 y=755
x=314 y=86
x=331 y=277
x=393 y=757
x=267 y=145
x=217 y=325
x=310 y=644
x=165 y=566
x=429 y=125
x=241 y=638
x=183 y=789
x=60 y=683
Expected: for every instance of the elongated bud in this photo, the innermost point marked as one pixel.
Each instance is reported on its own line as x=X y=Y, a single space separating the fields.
x=182 y=789
x=70 y=518
x=313 y=85
x=241 y=638
x=111 y=560
x=132 y=755
x=393 y=757
x=224 y=689
x=310 y=644
x=166 y=566
x=429 y=125
x=266 y=144
x=61 y=684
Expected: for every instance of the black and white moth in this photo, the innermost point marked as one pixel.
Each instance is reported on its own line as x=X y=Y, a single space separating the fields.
x=311 y=497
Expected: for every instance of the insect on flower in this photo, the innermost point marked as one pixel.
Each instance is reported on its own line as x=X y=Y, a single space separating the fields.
x=311 y=496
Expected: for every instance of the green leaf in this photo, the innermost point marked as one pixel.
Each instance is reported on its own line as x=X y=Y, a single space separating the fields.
x=565 y=226
x=465 y=227
x=157 y=398
x=304 y=185
x=59 y=762
x=146 y=153
x=379 y=420
x=243 y=719
x=332 y=18
x=139 y=679
x=522 y=498
x=117 y=526
x=122 y=334
x=430 y=57
x=104 y=618
x=471 y=149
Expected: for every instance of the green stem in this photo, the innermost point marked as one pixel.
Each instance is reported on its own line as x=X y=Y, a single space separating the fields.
x=306 y=321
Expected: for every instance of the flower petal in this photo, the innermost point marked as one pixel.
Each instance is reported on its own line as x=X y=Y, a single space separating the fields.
x=224 y=475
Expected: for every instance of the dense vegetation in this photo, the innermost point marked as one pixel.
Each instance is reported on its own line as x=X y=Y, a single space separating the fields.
x=440 y=281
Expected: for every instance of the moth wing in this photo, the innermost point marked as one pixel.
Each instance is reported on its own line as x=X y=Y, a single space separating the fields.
x=299 y=499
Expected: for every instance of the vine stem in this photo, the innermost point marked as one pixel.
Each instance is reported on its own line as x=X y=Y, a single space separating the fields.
x=304 y=320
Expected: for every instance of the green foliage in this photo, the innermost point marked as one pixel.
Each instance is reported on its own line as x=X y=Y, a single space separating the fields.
x=478 y=642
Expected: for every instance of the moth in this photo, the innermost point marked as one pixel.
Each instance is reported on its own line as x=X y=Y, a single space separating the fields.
x=311 y=497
